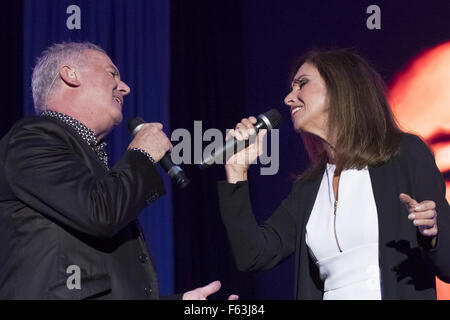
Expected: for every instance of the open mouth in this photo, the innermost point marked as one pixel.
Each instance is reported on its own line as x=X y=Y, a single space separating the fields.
x=117 y=99
x=295 y=109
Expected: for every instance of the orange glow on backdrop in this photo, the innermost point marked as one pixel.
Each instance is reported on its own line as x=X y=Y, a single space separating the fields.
x=420 y=100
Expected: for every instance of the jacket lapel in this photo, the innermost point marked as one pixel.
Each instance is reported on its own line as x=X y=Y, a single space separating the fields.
x=307 y=279
x=386 y=194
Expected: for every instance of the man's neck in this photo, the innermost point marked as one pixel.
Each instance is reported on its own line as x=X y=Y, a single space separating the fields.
x=81 y=119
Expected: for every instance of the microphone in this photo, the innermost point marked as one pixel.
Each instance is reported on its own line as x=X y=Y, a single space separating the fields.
x=175 y=172
x=268 y=120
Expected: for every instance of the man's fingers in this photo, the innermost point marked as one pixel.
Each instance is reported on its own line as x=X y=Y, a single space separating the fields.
x=211 y=288
x=233 y=297
x=156 y=125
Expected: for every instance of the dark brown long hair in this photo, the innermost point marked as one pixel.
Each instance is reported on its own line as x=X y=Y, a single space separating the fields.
x=360 y=117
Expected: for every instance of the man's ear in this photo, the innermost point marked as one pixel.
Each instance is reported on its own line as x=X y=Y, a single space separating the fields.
x=69 y=76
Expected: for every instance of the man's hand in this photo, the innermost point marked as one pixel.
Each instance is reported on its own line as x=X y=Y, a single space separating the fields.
x=152 y=139
x=203 y=292
x=423 y=215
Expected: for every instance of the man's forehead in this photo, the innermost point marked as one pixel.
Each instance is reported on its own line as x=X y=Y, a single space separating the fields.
x=99 y=57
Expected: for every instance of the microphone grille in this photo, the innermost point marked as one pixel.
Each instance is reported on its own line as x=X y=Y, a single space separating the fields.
x=274 y=117
x=133 y=123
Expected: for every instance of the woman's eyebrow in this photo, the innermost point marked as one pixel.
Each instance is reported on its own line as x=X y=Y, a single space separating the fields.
x=298 y=79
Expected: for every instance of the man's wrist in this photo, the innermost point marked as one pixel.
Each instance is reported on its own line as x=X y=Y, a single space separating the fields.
x=149 y=157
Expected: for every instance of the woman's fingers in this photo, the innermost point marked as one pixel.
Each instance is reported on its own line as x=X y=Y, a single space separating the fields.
x=429 y=232
x=408 y=201
x=429 y=214
x=248 y=124
x=425 y=205
x=423 y=215
x=245 y=128
x=252 y=119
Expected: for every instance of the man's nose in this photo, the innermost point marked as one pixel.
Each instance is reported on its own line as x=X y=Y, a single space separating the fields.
x=123 y=88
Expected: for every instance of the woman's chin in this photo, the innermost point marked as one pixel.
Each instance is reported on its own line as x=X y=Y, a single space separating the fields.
x=299 y=126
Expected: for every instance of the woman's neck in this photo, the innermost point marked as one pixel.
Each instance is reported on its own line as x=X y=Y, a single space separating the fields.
x=331 y=152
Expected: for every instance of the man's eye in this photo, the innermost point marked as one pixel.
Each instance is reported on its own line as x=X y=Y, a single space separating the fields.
x=113 y=73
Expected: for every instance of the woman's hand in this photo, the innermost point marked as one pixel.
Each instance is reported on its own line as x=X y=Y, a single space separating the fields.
x=237 y=165
x=423 y=215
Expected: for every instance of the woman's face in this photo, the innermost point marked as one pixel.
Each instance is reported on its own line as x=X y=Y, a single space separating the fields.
x=308 y=101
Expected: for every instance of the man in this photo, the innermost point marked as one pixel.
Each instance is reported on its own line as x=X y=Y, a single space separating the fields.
x=68 y=223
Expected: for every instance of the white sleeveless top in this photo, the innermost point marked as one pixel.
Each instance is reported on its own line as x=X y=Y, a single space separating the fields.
x=353 y=273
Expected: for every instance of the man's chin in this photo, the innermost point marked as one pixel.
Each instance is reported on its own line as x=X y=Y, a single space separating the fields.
x=118 y=119
x=117 y=123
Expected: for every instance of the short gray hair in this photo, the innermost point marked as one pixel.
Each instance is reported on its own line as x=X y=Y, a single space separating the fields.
x=44 y=79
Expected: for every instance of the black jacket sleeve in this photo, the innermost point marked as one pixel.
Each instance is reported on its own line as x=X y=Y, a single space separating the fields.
x=430 y=185
x=46 y=174
x=256 y=247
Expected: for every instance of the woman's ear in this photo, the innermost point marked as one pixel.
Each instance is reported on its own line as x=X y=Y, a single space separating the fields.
x=69 y=76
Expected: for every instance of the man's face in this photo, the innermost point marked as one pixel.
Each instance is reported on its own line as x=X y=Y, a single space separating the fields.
x=420 y=98
x=102 y=90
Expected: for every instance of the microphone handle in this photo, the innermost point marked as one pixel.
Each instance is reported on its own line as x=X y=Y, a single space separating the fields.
x=175 y=172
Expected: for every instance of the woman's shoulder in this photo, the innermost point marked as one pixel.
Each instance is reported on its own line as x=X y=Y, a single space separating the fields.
x=413 y=149
x=411 y=143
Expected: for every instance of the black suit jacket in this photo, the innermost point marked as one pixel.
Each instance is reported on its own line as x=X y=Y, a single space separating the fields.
x=408 y=269
x=61 y=207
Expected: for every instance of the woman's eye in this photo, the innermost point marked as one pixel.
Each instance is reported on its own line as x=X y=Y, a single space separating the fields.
x=299 y=84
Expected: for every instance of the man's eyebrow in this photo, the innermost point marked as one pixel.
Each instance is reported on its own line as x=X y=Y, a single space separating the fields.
x=116 y=71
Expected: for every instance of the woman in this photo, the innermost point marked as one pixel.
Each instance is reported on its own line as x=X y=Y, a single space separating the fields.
x=369 y=218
